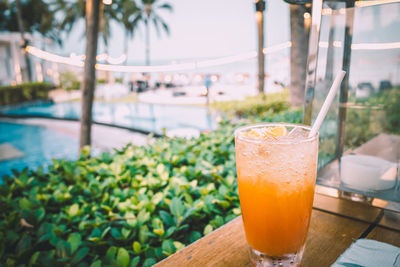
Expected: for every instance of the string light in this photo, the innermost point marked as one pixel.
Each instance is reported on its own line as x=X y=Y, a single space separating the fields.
x=53 y=57
x=376 y=46
x=278 y=47
x=374 y=2
x=119 y=60
x=78 y=61
x=365 y=46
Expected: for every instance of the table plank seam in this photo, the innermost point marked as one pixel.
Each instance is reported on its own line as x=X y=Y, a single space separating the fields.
x=343 y=215
x=372 y=225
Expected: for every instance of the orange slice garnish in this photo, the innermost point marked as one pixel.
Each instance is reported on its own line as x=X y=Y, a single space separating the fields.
x=266 y=132
x=275 y=131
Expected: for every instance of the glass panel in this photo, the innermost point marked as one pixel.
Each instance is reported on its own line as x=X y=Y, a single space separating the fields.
x=360 y=138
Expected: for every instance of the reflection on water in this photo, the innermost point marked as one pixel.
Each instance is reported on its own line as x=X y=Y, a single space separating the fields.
x=39 y=145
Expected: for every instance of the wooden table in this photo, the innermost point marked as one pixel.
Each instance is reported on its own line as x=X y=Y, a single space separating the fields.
x=335 y=224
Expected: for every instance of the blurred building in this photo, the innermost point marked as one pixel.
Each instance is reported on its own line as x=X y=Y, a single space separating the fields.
x=13 y=66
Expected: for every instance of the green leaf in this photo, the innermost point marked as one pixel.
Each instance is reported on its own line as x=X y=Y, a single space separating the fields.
x=96 y=264
x=208 y=229
x=178 y=245
x=160 y=168
x=34 y=257
x=25 y=204
x=159 y=232
x=176 y=207
x=110 y=254
x=170 y=231
x=85 y=152
x=166 y=218
x=143 y=217
x=149 y=262
x=219 y=221
x=130 y=222
x=188 y=213
x=157 y=198
x=143 y=234
x=24 y=244
x=75 y=241
x=223 y=203
x=135 y=261
x=115 y=232
x=237 y=211
x=40 y=213
x=123 y=257
x=125 y=232
x=105 y=232
x=73 y=210
x=95 y=235
x=194 y=236
x=63 y=249
x=80 y=254
x=168 y=247
x=222 y=190
x=137 y=248
x=157 y=223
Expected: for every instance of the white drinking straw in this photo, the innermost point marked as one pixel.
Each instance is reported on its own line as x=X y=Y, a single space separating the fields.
x=327 y=103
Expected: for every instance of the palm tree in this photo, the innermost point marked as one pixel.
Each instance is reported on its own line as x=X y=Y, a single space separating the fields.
x=21 y=29
x=89 y=77
x=130 y=19
x=70 y=12
x=298 y=52
x=260 y=7
x=98 y=18
x=73 y=11
x=149 y=13
x=298 y=55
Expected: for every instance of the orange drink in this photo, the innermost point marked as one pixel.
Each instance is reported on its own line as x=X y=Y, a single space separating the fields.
x=276 y=168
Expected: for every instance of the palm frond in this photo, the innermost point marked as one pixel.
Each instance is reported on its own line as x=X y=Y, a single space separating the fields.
x=166 y=6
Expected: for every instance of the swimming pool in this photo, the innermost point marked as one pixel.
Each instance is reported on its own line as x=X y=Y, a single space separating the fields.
x=39 y=145
x=141 y=116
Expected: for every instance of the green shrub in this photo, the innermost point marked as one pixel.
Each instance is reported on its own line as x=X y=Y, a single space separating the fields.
x=265 y=106
x=101 y=81
x=20 y=93
x=390 y=101
x=69 y=81
x=381 y=114
x=131 y=208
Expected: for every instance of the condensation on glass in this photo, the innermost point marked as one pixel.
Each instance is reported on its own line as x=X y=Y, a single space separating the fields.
x=360 y=137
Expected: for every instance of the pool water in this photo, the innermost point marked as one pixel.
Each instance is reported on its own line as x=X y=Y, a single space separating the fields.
x=141 y=116
x=39 y=145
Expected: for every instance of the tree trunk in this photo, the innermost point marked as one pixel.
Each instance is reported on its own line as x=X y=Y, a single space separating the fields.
x=147 y=42
x=260 y=52
x=89 y=78
x=24 y=42
x=330 y=53
x=126 y=43
x=298 y=55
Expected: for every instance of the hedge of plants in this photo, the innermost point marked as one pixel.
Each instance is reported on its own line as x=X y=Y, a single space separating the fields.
x=134 y=207
x=380 y=114
x=255 y=106
x=69 y=81
x=10 y=95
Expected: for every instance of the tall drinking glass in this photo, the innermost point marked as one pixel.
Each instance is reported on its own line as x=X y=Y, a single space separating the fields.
x=276 y=168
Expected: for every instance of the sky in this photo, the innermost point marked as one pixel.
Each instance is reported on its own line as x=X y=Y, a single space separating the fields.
x=199 y=29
